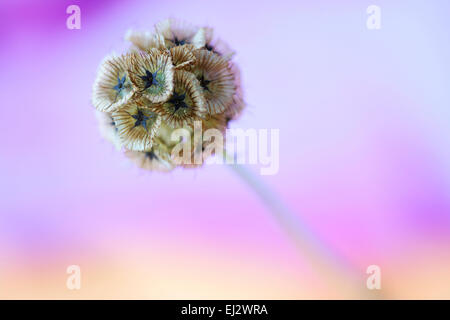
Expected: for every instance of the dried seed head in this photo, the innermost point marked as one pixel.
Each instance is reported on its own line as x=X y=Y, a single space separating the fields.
x=178 y=33
x=216 y=79
x=151 y=73
x=234 y=110
x=170 y=79
x=136 y=126
x=182 y=56
x=186 y=104
x=144 y=40
x=196 y=157
x=108 y=129
x=112 y=88
x=217 y=46
x=155 y=159
x=215 y=121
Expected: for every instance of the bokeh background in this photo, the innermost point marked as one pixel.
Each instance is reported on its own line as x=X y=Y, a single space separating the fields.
x=364 y=119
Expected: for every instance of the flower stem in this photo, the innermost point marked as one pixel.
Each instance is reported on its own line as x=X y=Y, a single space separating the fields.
x=330 y=264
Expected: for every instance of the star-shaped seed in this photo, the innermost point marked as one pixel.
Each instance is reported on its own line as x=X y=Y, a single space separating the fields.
x=141 y=119
x=177 y=100
x=149 y=79
x=120 y=83
x=178 y=42
x=151 y=155
x=204 y=83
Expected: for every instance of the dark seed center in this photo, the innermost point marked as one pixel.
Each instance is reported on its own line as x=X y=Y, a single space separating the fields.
x=141 y=119
x=151 y=155
x=178 y=102
x=120 y=84
x=204 y=83
x=148 y=79
x=178 y=42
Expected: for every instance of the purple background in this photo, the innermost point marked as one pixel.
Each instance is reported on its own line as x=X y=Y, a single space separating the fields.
x=364 y=123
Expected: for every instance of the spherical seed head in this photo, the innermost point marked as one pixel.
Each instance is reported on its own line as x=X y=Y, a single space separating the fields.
x=112 y=87
x=171 y=78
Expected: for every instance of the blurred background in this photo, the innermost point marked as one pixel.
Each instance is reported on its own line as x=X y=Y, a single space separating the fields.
x=364 y=119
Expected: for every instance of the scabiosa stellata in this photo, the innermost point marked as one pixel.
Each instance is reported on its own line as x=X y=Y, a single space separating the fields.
x=179 y=78
x=136 y=126
x=112 y=88
x=108 y=129
x=151 y=73
x=187 y=102
x=183 y=56
x=144 y=40
x=178 y=33
x=217 y=45
x=157 y=158
x=170 y=79
x=216 y=80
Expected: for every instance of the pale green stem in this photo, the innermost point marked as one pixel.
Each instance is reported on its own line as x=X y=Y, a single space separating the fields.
x=331 y=266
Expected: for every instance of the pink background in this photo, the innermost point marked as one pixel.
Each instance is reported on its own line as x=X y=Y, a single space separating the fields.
x=364 y=123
